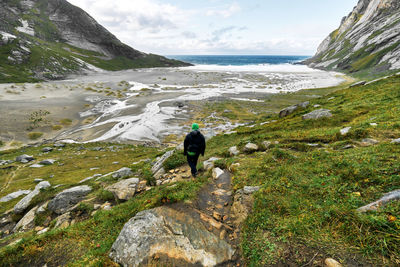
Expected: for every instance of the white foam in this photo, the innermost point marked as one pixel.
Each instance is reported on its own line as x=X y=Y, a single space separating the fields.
x=285 y=68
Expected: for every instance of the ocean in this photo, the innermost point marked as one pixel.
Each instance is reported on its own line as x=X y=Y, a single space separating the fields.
x=237 y=60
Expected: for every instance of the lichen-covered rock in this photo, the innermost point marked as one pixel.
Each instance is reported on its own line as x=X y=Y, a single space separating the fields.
x=122 y=173
x=65 y=200
x=159 y=163
x=125 y=189
x=47 y=162
x=209 y=164
x=250 y=147
x=317 y=114
x=27 y=222
x=24 y=203
x=234 y=151
x=242 y=204
x=287 y=111
x=24 y=158
x=168 y=233
x=217 y=172
x=14 y=195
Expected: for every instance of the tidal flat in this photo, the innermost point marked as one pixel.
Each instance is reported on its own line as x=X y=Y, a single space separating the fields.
x=148 y=105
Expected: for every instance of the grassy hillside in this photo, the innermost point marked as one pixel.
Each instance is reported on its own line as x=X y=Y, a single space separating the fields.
x=311 y=185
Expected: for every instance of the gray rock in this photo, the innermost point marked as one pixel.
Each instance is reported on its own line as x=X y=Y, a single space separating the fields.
x=36 y=166
x=27 y=222
x=165 y=231
x=48 y=162
x=287 y=111
x=387 y=198
x=123 y=173
x=5 y=162
x=251 y=189
x=357 y=84
x=266 y=144
x=24 y=158
x=47 y=149
x=217 y=172
x=317 y=114
x=209 y=164
x=369 y=142
x=38 y=180
x=90 y=178
x=233 y=151
x=65 y=200
x=250 y=147
x=15 y=195
x=159 y=163
x=125 y=189
x=24 y=203
x=396 y=141
x=345 y=131
x=63 y=221
x=59 y=145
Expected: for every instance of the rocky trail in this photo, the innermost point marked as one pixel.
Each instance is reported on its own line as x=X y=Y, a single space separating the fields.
x=202 y=232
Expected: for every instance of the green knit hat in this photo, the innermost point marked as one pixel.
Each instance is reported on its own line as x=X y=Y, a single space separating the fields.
x=195 y=126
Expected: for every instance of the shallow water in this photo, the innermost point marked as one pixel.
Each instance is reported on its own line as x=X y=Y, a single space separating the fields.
x=138 y=118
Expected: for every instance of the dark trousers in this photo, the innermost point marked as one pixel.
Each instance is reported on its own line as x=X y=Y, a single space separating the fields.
x=192 y=161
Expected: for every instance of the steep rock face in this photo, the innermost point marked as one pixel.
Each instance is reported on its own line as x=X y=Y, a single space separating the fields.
x=49 y=39
x=368 y=39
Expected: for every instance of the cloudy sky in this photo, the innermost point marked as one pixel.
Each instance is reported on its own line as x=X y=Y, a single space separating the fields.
x=243 y=27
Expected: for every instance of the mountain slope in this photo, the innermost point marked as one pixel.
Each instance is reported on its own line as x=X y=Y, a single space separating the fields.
x=367 y=41
x=48 y=39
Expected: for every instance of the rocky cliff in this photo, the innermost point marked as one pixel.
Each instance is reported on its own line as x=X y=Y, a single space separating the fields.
x=48 y=39
x=367 y=41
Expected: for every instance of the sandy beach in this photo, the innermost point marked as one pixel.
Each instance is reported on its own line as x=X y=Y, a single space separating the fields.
x=144 y=105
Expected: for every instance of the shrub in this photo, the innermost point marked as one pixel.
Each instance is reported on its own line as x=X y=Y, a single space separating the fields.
x=176 y=160
x=105 y=195
x=57 y=127
x=35 y=135
x=66 y=122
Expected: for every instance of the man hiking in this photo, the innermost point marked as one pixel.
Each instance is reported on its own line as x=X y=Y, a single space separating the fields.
x=194 y=145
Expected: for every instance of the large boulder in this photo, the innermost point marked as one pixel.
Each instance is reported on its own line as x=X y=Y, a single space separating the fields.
x=24 y=203
x=122 y=173
x=317 y=114
x=289 y=110
x=65 y=200
x=24 y=158
x=14 y=195
x=166 y=233
x=125 y=189
x=27 y=222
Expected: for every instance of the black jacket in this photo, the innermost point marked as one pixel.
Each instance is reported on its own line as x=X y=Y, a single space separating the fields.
x=194 y=142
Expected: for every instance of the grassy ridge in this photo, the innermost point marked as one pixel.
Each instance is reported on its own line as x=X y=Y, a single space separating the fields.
x=309 y=194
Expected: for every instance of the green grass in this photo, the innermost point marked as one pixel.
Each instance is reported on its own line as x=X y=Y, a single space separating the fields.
x=309 y=194
x=308 y=197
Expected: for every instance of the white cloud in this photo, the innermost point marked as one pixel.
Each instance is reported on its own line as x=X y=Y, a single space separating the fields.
x=225 y=12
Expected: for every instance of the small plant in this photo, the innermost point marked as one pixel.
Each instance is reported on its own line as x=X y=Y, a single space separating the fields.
x=35 y=135
x=38 y=119
x=176 y=160
x=57 y=127
x=66 y=122
x=1 y=143
x=85 y=208
x=105 y=195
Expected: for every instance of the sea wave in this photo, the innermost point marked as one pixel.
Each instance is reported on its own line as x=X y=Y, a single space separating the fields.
x=283 y=68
